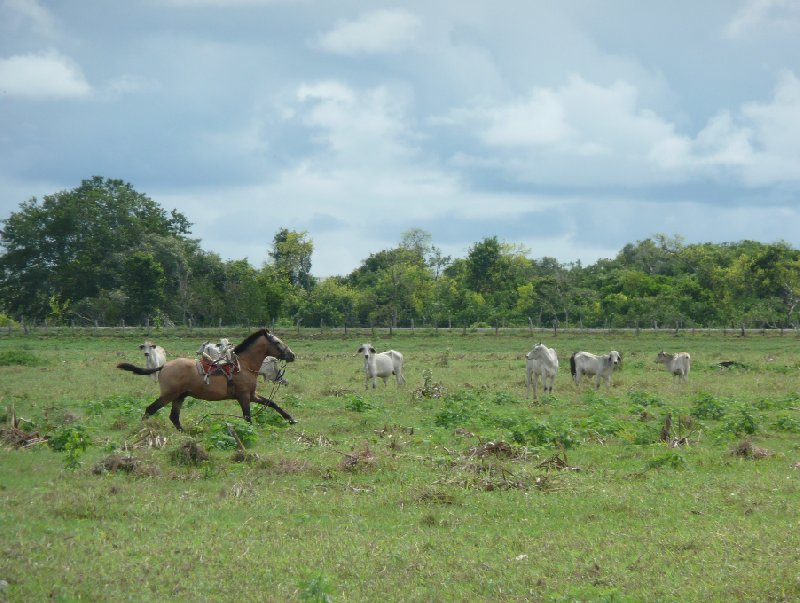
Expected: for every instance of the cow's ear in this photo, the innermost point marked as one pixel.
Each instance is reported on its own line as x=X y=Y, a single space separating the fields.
x=371 y=349
x=141 y=346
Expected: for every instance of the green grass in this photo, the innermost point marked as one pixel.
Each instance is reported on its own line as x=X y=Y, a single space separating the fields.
x=397 y=494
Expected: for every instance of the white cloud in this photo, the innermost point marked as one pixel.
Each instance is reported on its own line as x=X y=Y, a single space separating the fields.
x=368 y=127
x=30 y=13
x=380 y=31
x=764 y=14
x=44 y=75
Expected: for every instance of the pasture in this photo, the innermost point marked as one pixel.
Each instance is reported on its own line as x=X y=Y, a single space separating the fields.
x=454 y=487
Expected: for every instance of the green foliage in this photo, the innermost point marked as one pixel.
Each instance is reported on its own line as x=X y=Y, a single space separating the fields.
x=127 y=406
x=556 y=432
x=357 y=403
x=219 y=437
x=707 y=406
x=72 y=439
x=787 y=423
x=457 y=409
x=19 y=358
x=738 y=423
x=672 y=459
x=316 y=590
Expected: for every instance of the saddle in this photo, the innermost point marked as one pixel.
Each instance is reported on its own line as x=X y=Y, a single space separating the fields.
x=217 y=359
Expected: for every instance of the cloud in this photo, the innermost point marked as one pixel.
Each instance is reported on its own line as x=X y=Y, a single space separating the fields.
x=45 y=75
x=380 y=31
x=606 y=137
x=368 y=127
x=30 y=13
x=764 y=14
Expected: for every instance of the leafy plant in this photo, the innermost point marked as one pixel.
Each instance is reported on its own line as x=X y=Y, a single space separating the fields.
x=739 y=424
x=19 y=358
x=316 y=590
x=220 y=438
x=672 y=459
x=72 y=439
x=357 y=403
x=708 y=407
x=787 y=423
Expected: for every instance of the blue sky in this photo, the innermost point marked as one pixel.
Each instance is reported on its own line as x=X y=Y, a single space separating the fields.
x=570 y=128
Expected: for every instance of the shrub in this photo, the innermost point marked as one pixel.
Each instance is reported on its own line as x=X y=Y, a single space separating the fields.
x=457 y=409
x=739 y=424
x=708 y=407
x=219 y=436
x=72 y=439
x=787 y=423
x=357 y=403
x=672 y=459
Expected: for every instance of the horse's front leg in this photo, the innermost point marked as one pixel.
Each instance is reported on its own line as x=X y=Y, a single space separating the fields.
x=267 y=402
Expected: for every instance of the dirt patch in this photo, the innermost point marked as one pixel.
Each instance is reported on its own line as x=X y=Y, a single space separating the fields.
x=189 y=453
x=14 y=437
x=746 y=449
x=117 y=463
x=358 y=460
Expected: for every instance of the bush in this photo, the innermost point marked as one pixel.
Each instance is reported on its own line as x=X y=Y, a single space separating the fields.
x=672 y=459
x=219 y=436
x=787 y=423
x=357 y=403
x=708 y=407
x=739 y=424
x=457 y=409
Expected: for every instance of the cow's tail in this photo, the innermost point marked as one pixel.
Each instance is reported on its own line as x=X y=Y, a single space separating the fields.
x=127 y=366
x=572 y=368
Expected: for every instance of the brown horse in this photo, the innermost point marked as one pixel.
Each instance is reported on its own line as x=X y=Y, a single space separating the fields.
x=180 y=378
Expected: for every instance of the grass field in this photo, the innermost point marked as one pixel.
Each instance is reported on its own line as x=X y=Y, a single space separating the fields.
x=452 y=488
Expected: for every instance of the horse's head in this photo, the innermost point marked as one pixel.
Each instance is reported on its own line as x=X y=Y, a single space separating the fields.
x=278 y=349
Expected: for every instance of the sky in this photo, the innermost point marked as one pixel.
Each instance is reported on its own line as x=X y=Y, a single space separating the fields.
x=568 y=128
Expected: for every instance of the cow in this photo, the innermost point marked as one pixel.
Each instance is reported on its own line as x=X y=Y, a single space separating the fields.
x=585 y=363
x=271 y=371
x=382 y=365
x=542 y=362
x=154 y=356
x=678 y=364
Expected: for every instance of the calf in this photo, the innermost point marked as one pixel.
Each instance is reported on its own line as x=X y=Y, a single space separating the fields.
x=541 y=362
x=154 y=356
x=381 y=365
x=678 y=364
x=585 y=363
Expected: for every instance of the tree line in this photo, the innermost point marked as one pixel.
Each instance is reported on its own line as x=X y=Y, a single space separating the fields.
x=105 y=254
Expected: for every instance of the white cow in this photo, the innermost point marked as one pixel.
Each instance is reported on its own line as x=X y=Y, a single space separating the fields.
x=154 y=356
x=678 y=364
x=585 y=363
x=271 y=371
x=381 y=365
x=542 y=362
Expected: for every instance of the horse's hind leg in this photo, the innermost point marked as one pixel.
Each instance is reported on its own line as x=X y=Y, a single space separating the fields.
x=175 y=413
x=155 y=406
x=267 y=402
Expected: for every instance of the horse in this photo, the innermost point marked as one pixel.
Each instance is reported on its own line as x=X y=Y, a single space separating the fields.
x=180 y=378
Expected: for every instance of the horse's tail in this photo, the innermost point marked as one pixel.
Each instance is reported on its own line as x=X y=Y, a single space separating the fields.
x=572 y=364
x=127 y=366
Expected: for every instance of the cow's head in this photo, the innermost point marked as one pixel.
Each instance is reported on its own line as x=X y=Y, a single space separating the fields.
x=147 y=347
x=366 y=349
x=615 y=358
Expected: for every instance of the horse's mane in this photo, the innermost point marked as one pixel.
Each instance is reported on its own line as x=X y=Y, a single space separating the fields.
x=249 y=341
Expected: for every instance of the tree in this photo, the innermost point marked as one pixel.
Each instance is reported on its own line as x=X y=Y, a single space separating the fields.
x=143 y=284
x=291 y=256
x=72 y=243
